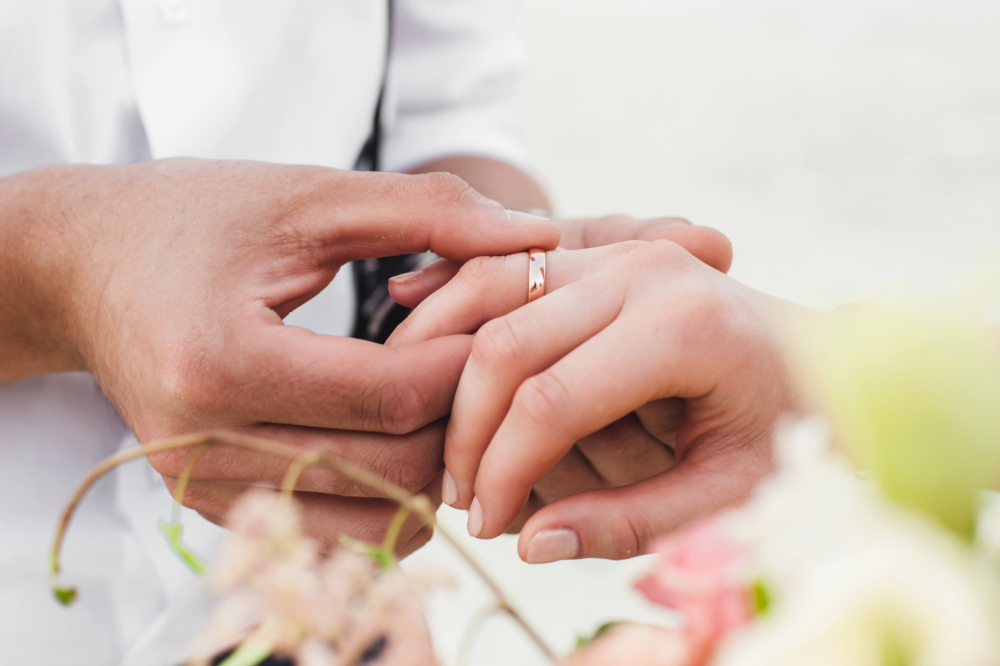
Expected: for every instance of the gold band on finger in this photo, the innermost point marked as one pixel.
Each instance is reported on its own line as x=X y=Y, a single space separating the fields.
x=536 y=273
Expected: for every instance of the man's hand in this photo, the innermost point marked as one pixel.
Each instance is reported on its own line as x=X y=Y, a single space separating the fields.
x=169 y=280
x=641 y=328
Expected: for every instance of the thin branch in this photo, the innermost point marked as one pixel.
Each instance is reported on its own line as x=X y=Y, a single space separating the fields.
x=473 y=629
x=295 y=471
x=182 y=482
x=417 y=504
x=104 y=467
x=395 y=527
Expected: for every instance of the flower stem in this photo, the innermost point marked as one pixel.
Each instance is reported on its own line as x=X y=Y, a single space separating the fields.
x=416 y=504
x=473 y=630
x=173 y=532
x=295 y=471
x=182 y=482
x=392 y=534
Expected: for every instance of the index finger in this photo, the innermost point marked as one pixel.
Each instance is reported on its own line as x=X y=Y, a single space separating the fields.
x=362 y=215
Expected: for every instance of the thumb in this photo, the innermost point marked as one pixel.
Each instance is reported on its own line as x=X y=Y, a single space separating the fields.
x=368 y=215
x=624 y=522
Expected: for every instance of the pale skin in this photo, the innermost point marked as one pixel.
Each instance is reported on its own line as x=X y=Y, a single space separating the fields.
x=169 y=280
x=639 y=336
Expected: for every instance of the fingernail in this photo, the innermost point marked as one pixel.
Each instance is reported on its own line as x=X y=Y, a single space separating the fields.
x=521 y=216
x=403 y=278
x=449 y=491
x=553 y=545
x=475 y=518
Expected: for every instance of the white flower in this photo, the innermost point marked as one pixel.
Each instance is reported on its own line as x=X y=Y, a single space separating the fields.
x=854 y=580
x=988 y=527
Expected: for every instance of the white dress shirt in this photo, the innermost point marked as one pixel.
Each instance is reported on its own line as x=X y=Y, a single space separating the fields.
x=116 y=81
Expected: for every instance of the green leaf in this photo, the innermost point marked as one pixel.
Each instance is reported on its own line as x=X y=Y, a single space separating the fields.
x=385 y=558
x=583 y=639
x=249 y=654
x=761 y=597
x=64 y=595
x=173 y=532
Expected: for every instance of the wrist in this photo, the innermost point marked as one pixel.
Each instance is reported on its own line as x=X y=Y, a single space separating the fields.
x=36 y=270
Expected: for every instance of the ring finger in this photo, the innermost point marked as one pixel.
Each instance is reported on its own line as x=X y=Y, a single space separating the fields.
x=505 y=352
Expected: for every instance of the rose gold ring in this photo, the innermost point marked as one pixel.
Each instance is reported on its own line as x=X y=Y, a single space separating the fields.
x=536 y=273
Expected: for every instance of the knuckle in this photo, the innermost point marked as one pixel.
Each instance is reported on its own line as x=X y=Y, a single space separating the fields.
x=701 y=307
x=634 y=536
x=665 y=254
x=411 y=463
x=481 y=269
x=611 y=440
x=446 y=188
x=411 y=473
x=191 y=382
x=542 y=399
x=497 y=344
x=399 y=406
x=623 y=248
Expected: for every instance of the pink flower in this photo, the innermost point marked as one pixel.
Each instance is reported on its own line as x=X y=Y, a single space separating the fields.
x=286 y=597
x=697 y=573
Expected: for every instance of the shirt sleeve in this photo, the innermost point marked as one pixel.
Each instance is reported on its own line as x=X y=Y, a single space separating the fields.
x=452 y=88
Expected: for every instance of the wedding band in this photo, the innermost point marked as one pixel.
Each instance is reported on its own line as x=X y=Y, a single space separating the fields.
x=536 y=273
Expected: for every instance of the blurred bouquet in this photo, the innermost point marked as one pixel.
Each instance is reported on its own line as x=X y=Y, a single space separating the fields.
x=896 y=565
x=281 y=595
x=873 y=544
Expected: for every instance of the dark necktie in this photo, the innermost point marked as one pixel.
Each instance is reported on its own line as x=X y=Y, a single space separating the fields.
x=376 y=314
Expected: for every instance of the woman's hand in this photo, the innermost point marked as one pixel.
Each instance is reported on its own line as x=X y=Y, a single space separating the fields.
x=595 y=461
x=633 y=327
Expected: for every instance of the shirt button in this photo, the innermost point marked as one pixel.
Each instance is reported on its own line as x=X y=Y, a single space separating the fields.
x=174 y=12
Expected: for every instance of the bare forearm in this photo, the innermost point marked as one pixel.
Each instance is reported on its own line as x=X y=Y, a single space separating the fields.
x=32 y=320
x=492 y=178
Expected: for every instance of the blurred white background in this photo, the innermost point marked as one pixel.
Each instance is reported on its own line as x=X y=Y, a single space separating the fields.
x=849 y=149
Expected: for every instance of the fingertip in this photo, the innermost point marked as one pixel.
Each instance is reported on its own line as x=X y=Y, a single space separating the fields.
x=449 y=491
x=602 y=530
x=709 y=245
x=410 y=289
x=456 y=471
x=551 y=545
x=475 y=524
x=490 y=518
x=545 y=230
x=404 y=289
